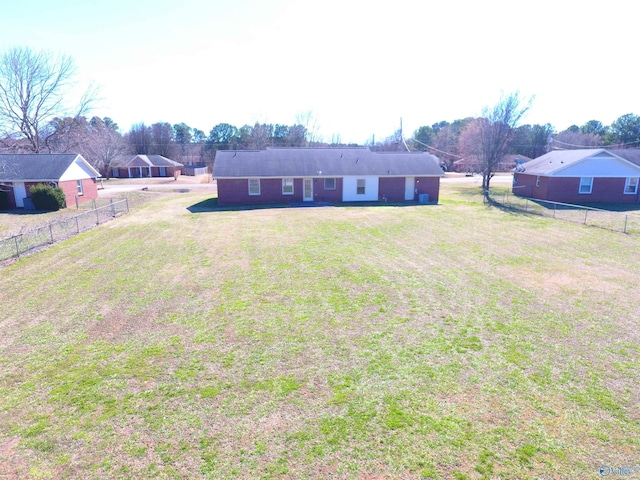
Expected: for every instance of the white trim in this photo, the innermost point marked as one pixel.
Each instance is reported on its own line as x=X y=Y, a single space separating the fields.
x=309 y=182
x=79 y=187
x=288 y=182
x=255 y=194
x=19 y=193
x=628 y=183
x=410 y=188
x=335 y=181
x=584 y=184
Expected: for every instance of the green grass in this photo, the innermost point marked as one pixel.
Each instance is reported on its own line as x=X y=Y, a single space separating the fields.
x=451 y=341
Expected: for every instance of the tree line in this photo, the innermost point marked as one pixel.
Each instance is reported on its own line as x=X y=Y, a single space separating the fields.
x=454 y=140
x=36 y=118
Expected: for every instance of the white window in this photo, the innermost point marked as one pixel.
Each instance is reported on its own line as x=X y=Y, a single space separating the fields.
x=586 y=183
x=329 y=183
x=287 y=186
x=79 y=184
x=360 y=189
x=631 y=185
x=254 y=186
x=537 y=181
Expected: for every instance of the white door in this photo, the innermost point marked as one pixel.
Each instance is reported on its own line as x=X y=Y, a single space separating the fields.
x=307 y=190
x=409 y=188
x=19 y=192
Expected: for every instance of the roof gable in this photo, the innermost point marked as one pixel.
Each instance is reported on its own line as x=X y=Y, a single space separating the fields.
x=44 y=167
x=322 y=162
x=580 y=163
x=151 y=161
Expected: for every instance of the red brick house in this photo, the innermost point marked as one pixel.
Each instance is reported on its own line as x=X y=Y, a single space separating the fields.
x=578 y=176
x=71 y=172
x=332 y=175
x=147 y=166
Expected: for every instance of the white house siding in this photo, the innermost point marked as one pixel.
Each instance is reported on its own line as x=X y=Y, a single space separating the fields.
x=602 y=165
x=77 y=171
x=19 y=193
x=350 y=185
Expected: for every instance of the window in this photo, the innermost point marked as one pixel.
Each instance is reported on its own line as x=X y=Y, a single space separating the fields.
x=631 y=185
x=254 y=186
x=79 y=184
x=586 y=183
x=329 y=183
x=537 y=181
x=287 y=186
x=360 y=189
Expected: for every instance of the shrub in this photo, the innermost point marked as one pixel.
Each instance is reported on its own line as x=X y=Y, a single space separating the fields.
x=4 y=200
x=46 y=197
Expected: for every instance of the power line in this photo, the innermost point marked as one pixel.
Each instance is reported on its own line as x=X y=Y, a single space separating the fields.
x=437 y=150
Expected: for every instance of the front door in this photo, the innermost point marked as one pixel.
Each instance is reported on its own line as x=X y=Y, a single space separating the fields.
x=19 y=193
x=409 y=188
x=307 y=190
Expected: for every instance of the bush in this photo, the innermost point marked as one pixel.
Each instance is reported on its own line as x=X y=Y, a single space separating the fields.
x=46 y=197
x=4 y=200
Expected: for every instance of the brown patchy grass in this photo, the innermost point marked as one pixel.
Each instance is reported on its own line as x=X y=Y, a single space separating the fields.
x=450 y=341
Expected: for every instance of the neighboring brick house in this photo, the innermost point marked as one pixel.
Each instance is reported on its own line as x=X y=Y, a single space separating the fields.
x=333 y=175
x=578 y=176
x=474 y=165
x=71 y=172
x=147 y=166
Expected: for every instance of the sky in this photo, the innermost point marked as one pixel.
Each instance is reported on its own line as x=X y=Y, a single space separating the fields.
x=355 y=67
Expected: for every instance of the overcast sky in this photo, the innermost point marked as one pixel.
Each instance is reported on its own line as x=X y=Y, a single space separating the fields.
x=358 y=66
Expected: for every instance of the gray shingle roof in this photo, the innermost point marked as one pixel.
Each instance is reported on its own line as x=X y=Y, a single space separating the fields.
x=152 y=161
x=630 y=154
x=322 y=162
x=34 y=167
x=555 y=160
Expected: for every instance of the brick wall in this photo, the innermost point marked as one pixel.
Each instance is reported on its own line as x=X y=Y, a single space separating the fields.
x=565 y=190
x=391 y=189
x=430 y=185
x=70 y=189
x=236 y=192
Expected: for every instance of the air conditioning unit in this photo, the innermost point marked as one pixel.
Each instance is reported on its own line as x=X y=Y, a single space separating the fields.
x=423 y=198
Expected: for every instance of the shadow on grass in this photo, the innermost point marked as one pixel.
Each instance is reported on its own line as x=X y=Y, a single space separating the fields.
x=211 y=205
x=22 y=211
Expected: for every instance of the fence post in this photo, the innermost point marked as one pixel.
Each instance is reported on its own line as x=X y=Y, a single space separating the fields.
x=554 y=210
x=94 y=203
x=126 y=202
x=97 y=216
x=585 y=216
x=77 y=224
x=77 y=206
x=526 y=204
x=15 y=237
x=113 y=209
x=51 y=233
x=625 y=224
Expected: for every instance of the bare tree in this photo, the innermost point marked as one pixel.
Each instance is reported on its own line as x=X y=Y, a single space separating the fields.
x=104 y=146
x=309 y=121
x=495 y=132
x=568 y=140
x=33 y=91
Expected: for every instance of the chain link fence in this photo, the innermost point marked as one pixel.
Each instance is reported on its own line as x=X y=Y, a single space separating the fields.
x=625 y=222
x=16 y=245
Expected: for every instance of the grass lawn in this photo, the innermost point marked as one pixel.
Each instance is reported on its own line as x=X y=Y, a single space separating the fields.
x=454 y=341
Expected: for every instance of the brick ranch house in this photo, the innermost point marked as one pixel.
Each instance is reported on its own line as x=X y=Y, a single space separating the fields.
x=578 y=176
x=147 y=166
x=332 y=175
x=71 y=172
